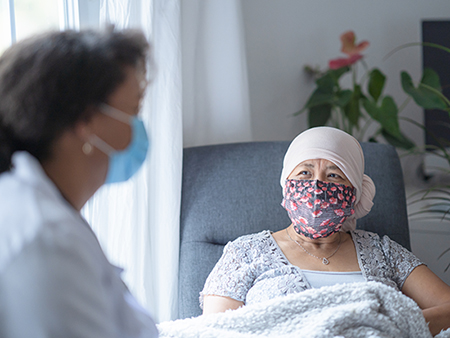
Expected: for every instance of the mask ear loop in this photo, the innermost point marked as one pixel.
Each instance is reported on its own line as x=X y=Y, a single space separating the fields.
x=101 y=145
x=115 y=113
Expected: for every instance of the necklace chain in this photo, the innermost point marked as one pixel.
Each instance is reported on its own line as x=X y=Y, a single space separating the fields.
x=325 y=260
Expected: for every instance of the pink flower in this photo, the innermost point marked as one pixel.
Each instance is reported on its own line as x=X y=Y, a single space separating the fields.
x=309 y=205
x=343 y=62
x=317 y=201
x=333 y=200
x=348 y=44
x=304 y=221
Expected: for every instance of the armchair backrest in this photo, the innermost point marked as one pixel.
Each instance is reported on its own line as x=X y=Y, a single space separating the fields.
x=230 y=190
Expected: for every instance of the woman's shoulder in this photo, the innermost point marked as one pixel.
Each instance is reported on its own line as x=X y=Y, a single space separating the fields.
x=253 y=239
x=372 y=236
x=364 y=234
x=254 y=236
x=252 y=243
x=35 y=218
x=370 y=240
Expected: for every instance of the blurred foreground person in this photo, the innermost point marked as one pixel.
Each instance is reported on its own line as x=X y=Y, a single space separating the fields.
x=69 y=104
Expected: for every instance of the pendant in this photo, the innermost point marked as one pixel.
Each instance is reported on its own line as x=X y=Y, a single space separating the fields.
x=325 y=261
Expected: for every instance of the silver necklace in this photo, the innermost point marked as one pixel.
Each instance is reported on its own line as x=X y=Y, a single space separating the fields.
x=325 y=260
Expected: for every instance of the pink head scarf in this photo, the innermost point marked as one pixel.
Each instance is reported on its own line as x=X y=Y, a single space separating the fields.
x=345 y=152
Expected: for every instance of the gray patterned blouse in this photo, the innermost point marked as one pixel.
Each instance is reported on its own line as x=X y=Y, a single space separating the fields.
x=253 y=268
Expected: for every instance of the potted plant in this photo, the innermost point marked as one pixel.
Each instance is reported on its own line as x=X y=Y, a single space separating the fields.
x=354 y=109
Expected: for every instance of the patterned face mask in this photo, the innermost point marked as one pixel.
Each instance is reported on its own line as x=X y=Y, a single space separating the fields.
x=317 y=209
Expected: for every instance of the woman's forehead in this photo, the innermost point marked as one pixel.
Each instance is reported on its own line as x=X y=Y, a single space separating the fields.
x=318 y=162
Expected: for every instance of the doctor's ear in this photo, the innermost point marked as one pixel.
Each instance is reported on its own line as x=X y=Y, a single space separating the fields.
x=83 y=129
x=83 y=132
x=85 y=126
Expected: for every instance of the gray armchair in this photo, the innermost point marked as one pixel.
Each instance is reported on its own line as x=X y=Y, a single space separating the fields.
x=233 y=189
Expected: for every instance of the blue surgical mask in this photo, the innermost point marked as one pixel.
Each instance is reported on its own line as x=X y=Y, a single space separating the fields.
x=123 y=164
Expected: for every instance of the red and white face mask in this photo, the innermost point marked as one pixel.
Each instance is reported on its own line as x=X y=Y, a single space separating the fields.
x=317 y=209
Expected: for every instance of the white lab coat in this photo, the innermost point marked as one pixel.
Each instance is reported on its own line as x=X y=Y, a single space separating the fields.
x=55 y=280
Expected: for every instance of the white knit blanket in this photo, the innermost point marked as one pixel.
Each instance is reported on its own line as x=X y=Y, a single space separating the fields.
x=348 y=310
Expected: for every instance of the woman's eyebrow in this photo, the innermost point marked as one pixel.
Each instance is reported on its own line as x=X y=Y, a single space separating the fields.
x=332 y=167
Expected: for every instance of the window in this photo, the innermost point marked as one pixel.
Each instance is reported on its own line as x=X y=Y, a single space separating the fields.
x=22 y=18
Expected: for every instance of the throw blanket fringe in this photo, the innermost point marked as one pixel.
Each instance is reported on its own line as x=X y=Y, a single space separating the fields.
x=348 y=310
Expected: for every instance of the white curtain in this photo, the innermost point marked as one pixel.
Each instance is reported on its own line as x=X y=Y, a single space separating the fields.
x=216 y=105
x=137 y=222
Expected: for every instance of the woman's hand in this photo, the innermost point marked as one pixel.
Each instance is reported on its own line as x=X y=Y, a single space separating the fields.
x=214 y=304
x=432 y=295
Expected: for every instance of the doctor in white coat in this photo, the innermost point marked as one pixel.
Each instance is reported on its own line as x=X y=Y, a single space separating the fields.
x=68 y=123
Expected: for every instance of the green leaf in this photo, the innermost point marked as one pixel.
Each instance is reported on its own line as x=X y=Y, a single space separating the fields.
x=398 y=142
x=386 y=114
x=327 y=86
x=352 y=109
x=424 y=97
x=335 y=74
x=319 y=115
x=431 y=78
x=343 y=97
x=326 y=83
x=376 y=83
x=318 y=97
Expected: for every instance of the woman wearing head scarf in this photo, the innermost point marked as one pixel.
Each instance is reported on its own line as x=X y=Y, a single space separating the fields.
x=325 y=191
x=69 y=104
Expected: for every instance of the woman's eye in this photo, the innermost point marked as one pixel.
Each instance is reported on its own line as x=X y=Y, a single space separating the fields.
x=303 y=173
x=334 y=176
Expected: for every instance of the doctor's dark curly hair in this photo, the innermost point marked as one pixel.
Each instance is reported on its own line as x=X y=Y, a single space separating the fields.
x=51 y=81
